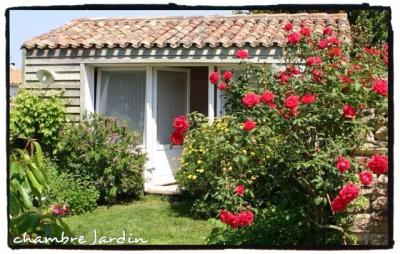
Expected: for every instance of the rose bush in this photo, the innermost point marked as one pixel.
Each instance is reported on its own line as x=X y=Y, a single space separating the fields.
x=290 y=138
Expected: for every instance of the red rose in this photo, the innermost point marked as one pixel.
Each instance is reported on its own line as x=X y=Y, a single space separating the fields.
x=328 y=31
x=267 y=97
x=288 y=26
x=338 y=205
x=177 y=138
x=380 y=86
x=229 y=218
x=239 y=190
x=293 y=70
x=345 y=79
x=308 y=98
x=294 y=38
x=365 y=177
x=180 y=123
x=349 y=112
x=222 y=86
x=334 y=41
x=242 y=219
x=292 y=102
x=322 y=44
x=313 y=60
x=249 y=125
x=342 y=164
x=245 y=218
x=378 y=164
x=334 y=52
x=349 y=192
x=372 y=51
x=317 y=75
x=214 y=77
x=305 y=31
x=284 y=77
x=227 y=76
x=242 y=54
x=250 y=100
x=224 y=215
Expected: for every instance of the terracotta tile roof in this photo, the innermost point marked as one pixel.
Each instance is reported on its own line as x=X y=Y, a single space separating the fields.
x=15 y=77
x=212 y=31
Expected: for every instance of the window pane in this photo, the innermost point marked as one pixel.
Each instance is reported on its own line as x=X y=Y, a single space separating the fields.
x=171 y=101
x=122 y=95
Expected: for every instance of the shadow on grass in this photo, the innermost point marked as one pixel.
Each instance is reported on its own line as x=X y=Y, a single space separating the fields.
x=180 y=206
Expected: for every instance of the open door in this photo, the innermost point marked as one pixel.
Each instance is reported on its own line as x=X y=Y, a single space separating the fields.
x=171 y=99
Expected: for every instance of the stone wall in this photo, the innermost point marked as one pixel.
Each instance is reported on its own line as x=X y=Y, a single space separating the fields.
x=371 y=224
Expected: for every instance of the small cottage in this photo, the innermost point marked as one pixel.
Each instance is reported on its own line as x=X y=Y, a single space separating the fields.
x=146 y=71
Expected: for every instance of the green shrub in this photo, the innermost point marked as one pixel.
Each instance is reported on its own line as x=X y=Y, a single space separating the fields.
x=35 y=117
x=77 y=193
x=28 y=187
x=106 y=152
x=217 y=152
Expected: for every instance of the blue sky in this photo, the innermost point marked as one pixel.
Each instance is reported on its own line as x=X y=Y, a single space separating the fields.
x=25 y=24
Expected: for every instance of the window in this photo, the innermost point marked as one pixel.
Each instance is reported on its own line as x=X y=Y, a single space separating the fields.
x=122 y=95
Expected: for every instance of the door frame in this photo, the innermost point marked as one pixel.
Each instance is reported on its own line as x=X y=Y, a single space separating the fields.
x=157 y=146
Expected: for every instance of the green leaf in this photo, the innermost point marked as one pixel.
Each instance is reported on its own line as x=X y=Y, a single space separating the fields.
x=26 y=200
x=28 y=223
x=36 y=186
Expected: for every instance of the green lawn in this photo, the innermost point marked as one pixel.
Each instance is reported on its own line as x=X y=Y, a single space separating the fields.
x=153 y=218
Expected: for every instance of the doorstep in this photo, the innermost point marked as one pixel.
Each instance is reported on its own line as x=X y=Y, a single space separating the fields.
x=171 y=189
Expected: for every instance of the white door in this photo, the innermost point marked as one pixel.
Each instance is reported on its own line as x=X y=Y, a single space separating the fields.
x=171 y=99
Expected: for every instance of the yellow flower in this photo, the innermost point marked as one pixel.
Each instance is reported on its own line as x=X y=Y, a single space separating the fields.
x=200 y=170
x=252 y=153
x=230 y=168
x=194 y=177
x=199 y=162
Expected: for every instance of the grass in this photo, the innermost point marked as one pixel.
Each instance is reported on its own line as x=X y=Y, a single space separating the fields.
x=156 y=219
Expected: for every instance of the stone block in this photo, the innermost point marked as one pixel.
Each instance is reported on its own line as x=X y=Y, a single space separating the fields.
x=378 y=239
x=380 y=204
x=382 y=134
x=361 y=222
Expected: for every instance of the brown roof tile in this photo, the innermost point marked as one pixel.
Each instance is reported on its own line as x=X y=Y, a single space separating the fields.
x=213 y=31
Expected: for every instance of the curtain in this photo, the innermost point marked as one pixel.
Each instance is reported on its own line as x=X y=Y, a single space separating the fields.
x=171 y=101
x=122 y=95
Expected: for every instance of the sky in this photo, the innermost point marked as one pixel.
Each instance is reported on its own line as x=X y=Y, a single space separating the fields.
x=25 y=24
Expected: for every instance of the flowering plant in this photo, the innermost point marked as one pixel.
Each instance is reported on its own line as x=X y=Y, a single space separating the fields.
x=292 y=135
